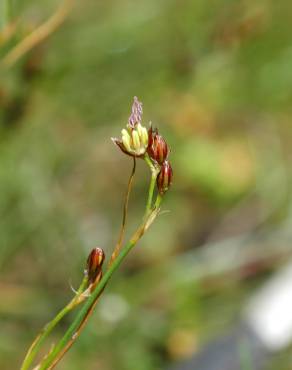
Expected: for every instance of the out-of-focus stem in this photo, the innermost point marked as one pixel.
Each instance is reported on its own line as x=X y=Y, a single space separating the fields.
x=7 y=32
x=39 y=34
x=5 y=13
x=35 y=347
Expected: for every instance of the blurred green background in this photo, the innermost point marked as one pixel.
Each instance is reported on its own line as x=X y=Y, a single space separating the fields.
x=216 y=78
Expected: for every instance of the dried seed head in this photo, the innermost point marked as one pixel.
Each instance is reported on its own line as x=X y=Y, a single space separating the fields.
x=157 y=146
x=94 y=263
x=164 y=178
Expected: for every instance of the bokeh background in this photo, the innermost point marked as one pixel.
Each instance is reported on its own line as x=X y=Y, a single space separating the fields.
x=216 y=78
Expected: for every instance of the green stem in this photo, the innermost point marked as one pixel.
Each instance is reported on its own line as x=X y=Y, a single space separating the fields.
x=125 y=213
x=158 y=201
x=72 y=330
x=150 y=194
x=5 y=13
x=35 y=347
x=154 y=174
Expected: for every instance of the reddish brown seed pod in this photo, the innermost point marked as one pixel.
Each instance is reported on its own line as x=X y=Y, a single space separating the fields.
x=157 y=146
x=164 y=178
x=94 y=263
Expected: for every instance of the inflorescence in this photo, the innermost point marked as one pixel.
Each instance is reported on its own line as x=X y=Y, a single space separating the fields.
x=139 y=142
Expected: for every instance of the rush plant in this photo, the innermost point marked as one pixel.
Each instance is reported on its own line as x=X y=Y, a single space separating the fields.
x=137 y=142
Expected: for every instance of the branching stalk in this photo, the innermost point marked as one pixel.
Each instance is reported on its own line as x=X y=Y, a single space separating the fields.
x=72 y=333
x=35 y=347
x=137 y=142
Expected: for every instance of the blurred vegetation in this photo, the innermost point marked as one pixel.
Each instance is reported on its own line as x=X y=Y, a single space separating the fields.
x=216 y=78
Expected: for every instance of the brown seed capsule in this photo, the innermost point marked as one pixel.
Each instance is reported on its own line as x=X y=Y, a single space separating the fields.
x=157 y=147
x=94 y=263
x=164 y=179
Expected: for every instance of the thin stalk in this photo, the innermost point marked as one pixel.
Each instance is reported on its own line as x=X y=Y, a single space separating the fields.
x=39 y=34
x=76 y=335
x=154 y=174
x=125 y=213
x=150 y=194
x=35 y=347
x=69 y=344
x=5 y=13
x=8 y=32
x=72 y=332
x=158 y=201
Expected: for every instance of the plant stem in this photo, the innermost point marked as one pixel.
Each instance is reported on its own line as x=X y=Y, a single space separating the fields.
x=39 y=34
x=125 y=213
x=154 y=174
x=69 y=344
x=158 y=201
x=72 y=332
x=35 y=347
x=5 y=13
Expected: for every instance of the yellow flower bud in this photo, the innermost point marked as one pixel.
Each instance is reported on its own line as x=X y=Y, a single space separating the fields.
x=136 y=140
x=126 y=139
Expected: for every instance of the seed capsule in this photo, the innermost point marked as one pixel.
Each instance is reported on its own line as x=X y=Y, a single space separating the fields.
x=164 y=179
x=157 y=146
x=94 y=263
